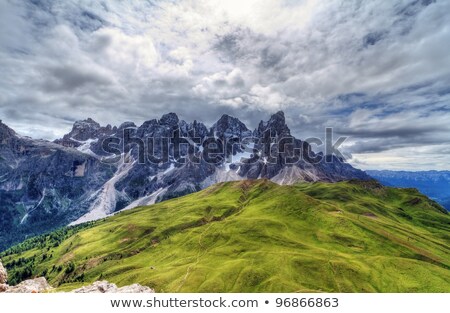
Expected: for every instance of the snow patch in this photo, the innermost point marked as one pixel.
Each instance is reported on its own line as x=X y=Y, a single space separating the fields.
x=86 y=146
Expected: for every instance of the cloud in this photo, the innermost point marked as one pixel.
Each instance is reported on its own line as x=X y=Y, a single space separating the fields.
x=221 y=84
x=377 y=72
x=69 y=77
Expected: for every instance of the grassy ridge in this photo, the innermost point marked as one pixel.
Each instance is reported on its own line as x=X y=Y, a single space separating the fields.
x=257 y=236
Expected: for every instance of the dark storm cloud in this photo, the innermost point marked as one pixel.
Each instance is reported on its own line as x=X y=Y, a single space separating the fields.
x=67 y=78
x=403 y=132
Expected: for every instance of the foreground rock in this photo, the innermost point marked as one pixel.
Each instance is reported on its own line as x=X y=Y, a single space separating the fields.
x=106 y=287
x=3 y=274
x=37 y=285
x=3 y=278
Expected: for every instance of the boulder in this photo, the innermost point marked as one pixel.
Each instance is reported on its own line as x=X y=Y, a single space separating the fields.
x=97 y=287
x=3 y=274
x=135 y=288
x=106 y=287
x=37 y=285
x=3 y=287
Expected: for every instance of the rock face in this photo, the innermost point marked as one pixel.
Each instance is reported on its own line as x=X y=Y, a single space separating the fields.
x=3 y=278
x=106 y=287
x=83 y=131
x=3 y=274
x=45 y=185
x=37 y=285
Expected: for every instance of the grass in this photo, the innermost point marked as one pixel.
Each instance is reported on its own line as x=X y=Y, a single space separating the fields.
x=256 y=236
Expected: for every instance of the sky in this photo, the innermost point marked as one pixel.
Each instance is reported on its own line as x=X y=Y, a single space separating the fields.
x=377 y=72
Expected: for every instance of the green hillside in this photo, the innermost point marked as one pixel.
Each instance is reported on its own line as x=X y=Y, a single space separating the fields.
x=256 y=236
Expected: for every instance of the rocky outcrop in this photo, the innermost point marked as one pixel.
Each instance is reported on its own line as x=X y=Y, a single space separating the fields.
x=228 y=127
x=5 y=132
x=3 y=278
x=40 y=285
x=37 y=285
x=83 y=131
x=106 y=287
x=276 y=125
x=3 y=274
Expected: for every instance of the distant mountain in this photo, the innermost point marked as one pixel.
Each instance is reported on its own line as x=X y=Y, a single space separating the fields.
x=94 y=170
x=435 y=184
x=255 y=236
x=43 y=185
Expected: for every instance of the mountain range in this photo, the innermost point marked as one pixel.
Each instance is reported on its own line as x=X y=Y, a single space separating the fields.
x=434 y=184
x=95 y=171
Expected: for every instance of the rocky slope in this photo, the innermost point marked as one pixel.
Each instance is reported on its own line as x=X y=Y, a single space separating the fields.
x=45 y=185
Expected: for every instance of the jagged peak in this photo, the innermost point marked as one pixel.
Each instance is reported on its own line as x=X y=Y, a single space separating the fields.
x=6 y=131
x=226 y=117
x=127 y=124
x=230 y=124
x=170 y=119
x=87 y=123
x=149 y=123
x=279 y=116
x=276 y=124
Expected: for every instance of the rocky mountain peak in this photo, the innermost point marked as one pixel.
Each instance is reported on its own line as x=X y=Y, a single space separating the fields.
x=197 y=129
x=170 y=119
x=149 y=124
x=5 y=131
x=276 y=124
x=147 y=128
x=229 y=126
x=84 y=129
x=127 y=125
x=88 y=123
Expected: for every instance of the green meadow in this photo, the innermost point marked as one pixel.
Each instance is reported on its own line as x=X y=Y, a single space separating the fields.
x=255 y=236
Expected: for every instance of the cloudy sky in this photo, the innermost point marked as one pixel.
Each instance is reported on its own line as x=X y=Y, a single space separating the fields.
x=376 y=71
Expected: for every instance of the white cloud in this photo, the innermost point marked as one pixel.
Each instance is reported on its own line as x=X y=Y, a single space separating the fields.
x=221 y=85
